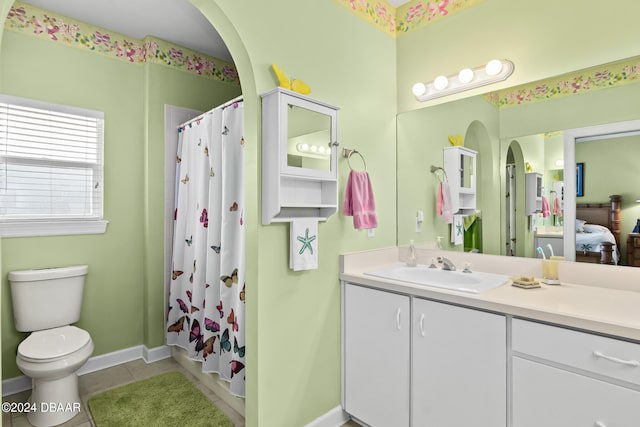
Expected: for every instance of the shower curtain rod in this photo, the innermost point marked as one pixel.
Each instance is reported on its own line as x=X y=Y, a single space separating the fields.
x=223 y=106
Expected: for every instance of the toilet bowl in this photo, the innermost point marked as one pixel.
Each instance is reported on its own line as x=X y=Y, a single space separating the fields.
x=51 y=358
x=46 y=302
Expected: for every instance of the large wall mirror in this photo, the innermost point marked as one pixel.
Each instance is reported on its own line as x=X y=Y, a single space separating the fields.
x=546 y=139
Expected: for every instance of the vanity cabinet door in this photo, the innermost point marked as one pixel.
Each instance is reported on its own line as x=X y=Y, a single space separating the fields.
x=551 y=397
x=458 y=366
x=376 y=356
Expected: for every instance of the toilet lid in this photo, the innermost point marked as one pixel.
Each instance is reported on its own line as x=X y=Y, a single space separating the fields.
x=53 y=343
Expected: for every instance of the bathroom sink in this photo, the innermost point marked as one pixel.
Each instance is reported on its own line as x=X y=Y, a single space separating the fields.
x=474 y=282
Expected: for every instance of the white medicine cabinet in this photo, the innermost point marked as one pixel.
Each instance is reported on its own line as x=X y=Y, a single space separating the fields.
x=460 y=169
x=299 y=157
x=534 y=189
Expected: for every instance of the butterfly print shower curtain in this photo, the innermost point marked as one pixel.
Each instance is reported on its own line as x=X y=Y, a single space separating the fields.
x=206 y=300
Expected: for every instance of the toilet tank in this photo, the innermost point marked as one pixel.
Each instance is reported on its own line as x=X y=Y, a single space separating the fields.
x=47 y=298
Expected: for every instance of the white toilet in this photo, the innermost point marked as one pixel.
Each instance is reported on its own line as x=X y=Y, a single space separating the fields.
x=46 y=302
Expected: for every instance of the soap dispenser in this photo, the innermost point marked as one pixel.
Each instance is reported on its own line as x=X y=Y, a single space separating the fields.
x=412 y=260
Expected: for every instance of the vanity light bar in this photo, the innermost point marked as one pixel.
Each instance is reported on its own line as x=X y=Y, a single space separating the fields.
x=314 y=149
x=495 y=71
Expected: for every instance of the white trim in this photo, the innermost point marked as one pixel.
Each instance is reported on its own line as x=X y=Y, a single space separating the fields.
x=15 y=385
x=151 y=355
x=96 y=363
x=334 y=418
x=108 y=360
x=52 y=228
x=59 y=108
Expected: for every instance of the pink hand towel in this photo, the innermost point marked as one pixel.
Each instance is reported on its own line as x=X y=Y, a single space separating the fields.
x=447 y=215
x=439 y=201
x=358 y=200
x=545 y=208
x=557 y=211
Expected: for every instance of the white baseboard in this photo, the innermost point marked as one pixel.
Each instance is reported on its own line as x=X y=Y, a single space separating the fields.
x=96 y=363
x=151 y=355
x=334 y=418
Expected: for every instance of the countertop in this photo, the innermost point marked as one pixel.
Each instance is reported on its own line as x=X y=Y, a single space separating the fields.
x=604 y=310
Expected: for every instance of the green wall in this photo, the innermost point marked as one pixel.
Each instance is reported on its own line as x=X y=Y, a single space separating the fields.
x=543 y=39
x=293 y=319
x=293 y=373
x=123 y=304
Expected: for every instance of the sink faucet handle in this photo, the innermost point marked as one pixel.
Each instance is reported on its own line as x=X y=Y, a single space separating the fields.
x=467 y=267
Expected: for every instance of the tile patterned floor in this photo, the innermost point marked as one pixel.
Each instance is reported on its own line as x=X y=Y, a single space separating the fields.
x=105 y=379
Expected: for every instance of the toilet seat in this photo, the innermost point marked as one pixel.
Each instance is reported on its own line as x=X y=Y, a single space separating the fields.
x=53 y=344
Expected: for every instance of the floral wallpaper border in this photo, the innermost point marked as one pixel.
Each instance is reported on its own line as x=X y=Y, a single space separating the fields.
x=600 y=77
x=412 y=16
x=29 y=20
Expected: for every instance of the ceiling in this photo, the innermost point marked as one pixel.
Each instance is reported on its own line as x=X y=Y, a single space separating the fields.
x=175 y=21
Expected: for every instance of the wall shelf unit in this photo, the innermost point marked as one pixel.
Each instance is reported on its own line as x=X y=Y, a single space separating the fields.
x=299 y=157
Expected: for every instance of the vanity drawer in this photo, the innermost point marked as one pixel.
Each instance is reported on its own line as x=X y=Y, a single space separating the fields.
x=601 y=355
x=544 y=396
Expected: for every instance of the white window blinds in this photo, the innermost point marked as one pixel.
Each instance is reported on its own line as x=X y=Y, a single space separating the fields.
x=51 y=162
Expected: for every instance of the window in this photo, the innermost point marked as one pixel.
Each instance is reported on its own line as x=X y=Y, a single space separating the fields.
x=51 y=169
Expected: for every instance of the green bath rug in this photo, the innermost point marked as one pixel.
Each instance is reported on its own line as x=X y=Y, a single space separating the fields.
x=165 y=400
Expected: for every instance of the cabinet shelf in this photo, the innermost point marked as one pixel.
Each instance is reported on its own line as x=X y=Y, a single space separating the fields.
x=306 y=178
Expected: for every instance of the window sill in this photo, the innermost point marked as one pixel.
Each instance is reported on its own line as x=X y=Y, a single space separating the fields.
x=52 y=228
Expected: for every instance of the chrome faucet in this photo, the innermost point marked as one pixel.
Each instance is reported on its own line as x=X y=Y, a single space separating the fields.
x=446 y=264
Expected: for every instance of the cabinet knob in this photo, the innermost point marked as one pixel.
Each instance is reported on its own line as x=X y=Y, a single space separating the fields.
x=398 y=312
x=599 y=424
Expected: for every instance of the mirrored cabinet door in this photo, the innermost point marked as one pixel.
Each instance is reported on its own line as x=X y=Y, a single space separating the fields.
x=308 y=138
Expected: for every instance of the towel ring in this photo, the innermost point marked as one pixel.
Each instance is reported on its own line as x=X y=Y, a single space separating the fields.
x=350 y=152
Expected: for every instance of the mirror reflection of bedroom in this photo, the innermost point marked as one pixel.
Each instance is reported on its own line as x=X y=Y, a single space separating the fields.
x=606 y=198
x=607 y=190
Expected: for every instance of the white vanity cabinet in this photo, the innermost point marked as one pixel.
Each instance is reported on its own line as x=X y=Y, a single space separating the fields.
x=443 y=364
x=376 y=356
x=458 y=366
x=566 y=378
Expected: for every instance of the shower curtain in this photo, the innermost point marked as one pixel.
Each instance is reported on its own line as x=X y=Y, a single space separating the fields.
x=205 y=313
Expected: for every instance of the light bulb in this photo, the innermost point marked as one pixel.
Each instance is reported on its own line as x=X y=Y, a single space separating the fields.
x=493 y=67
x=465 y=75
x=419 y=89
x=304 y=147
x=560 y=162
x=441 y=82
x=314 y=148
x=321 y=149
